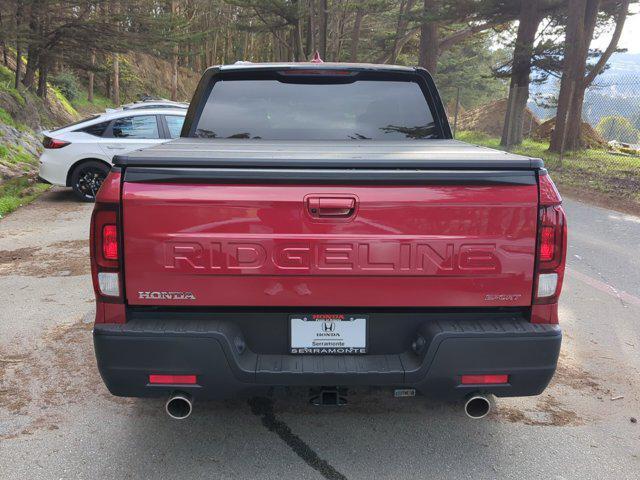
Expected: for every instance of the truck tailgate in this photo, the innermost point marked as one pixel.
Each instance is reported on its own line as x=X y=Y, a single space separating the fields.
x=270 y=244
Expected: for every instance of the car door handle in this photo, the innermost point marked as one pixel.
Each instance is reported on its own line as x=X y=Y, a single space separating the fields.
x=115 y=148
x=331 y=207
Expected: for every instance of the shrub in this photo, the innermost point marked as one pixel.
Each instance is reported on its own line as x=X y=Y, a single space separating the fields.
x=67 y=83
x=618 y=128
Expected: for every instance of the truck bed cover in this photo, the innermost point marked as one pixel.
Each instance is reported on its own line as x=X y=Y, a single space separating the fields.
x=348 y=154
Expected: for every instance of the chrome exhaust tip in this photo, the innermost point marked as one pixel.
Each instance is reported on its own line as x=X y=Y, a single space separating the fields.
x=478 y=406
x=179 y=406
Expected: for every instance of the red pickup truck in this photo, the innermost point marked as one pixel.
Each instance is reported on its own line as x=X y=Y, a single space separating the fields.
x=316 y=225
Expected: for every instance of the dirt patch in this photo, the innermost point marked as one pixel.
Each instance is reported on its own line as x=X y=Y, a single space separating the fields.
x=60 y=371
x=60 y=259
x=548 y=412
x=577 y=378
x=590 y=137
x=18 y=255
x=490 y=119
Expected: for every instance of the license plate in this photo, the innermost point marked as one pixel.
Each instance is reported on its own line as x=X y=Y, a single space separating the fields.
x=328 y=334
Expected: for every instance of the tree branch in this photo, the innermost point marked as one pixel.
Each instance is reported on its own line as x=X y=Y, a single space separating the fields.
x=611 y=48
x=458 y=36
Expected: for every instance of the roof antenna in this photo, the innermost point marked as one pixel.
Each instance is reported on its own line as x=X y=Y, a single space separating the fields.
x=316 y=58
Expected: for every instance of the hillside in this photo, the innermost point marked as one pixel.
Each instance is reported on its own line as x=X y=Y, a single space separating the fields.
x=23 y=115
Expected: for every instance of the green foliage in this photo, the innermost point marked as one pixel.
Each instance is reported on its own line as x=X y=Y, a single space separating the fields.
x=130 y=83
x=81 y=103
x=11 y=154
x=7 y=80
x=615 y=127
x=67 y=83
x=63 y=101
x=17 y=192
x=6 y=118
x=588 y=171
x=468 y=66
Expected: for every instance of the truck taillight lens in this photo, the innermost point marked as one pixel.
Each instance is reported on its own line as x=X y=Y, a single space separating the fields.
x=109 y=283
x=547 y=243
x=551 y=237
x=105 y=252
x=110 y=242
x=552 y=246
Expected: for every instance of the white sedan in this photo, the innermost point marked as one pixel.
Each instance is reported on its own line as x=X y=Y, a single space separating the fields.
x=79 y=155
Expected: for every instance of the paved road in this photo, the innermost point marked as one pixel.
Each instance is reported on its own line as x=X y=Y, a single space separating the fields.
x=58 y=421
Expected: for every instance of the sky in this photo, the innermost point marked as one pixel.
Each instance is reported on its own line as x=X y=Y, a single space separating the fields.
x=630 y=38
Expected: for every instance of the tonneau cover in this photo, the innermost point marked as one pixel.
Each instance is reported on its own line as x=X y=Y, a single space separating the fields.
x=415 y=154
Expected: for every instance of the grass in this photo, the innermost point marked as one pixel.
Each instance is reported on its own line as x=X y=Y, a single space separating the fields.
x=591 y=171
x=11 y=154
x=63 y=100
x=7 y=79
x=17 y=192
x=100 y=103
x=7 y=119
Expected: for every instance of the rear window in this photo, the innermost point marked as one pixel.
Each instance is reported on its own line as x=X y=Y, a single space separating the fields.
x=97 y=129
x=274 y=110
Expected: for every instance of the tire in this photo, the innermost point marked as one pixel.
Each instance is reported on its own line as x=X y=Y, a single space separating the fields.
x=87 y=178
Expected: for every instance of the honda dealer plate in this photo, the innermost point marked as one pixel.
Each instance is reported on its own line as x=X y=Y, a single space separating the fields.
x=328 y=334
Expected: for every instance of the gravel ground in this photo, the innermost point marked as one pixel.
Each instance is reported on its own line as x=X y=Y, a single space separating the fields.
x=57 y=420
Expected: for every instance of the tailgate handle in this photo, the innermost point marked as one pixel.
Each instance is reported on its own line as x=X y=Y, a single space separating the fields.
x=321 y=207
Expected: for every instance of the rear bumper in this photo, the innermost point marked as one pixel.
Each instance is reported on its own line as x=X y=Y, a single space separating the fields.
x=216 y=351
x=53 y=168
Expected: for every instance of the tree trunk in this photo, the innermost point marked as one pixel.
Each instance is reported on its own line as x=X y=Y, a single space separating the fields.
x=573 y=137
x=174 y=59
x=107 y=86
x=575 y=23
x=298 y=49
x=323 y=26
x=33 y=57
x=429 y=49
x=529 y=21
x=42 y=78
x=18 y=63
x=33 y=51
x=3 y=45
x=91 y=76
x=355 y=34
x=19 y=14
x=311 y=29
x=401 y=29
x=116 y=80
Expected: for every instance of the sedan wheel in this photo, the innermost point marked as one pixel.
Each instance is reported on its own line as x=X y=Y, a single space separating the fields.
x=87 y=180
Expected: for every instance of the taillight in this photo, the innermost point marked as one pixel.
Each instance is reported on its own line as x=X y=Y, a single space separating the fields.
x=105 y=242
x=48 y=142
x=110 y=242
x=551 y=237
x=552 y=247
x=547 y=243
